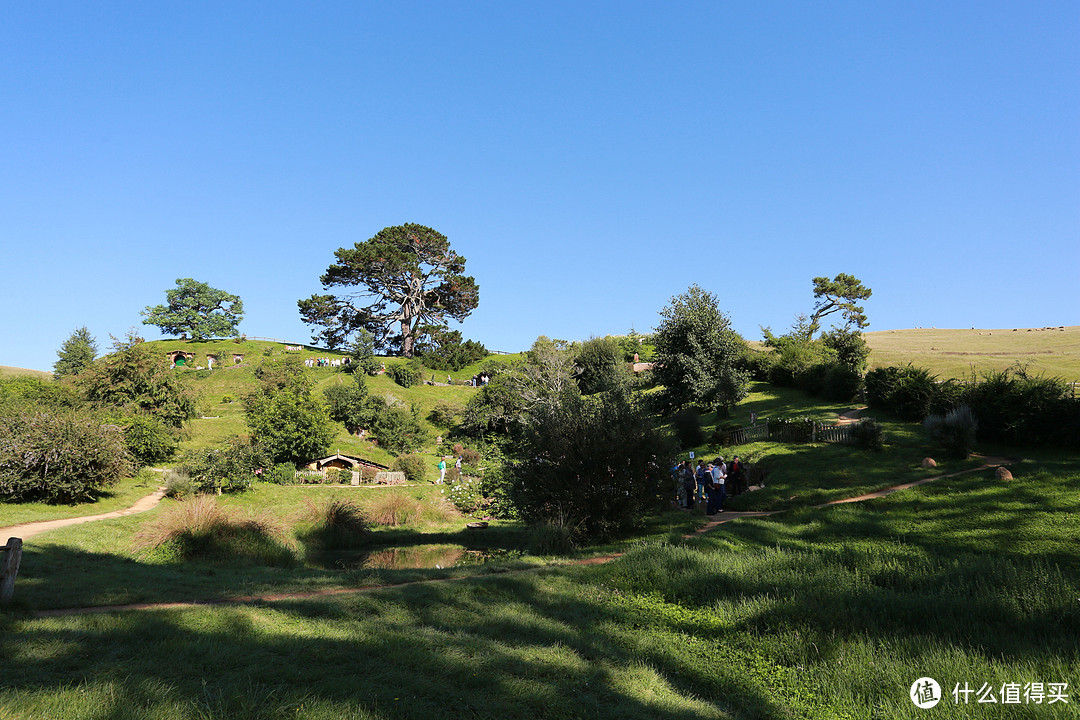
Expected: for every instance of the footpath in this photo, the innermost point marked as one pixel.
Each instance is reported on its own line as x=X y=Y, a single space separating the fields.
x=146 y=503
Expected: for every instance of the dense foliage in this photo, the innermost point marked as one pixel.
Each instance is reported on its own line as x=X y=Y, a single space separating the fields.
x=595 y=463
x=599 y=365
x=286 y=420
x=196 y=309
x=136 y=381
x=445 y=350
x=697 y=354
x=59 y=455
x=405 y=276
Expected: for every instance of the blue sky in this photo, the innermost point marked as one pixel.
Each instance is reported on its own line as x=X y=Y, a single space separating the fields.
x=591 y=160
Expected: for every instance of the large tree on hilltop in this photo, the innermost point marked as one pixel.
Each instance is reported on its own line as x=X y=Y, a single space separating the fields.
x=406 y=276
x=196 y=309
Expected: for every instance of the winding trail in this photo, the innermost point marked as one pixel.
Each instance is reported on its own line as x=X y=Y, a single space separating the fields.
x=29 y=530
x=151 y=500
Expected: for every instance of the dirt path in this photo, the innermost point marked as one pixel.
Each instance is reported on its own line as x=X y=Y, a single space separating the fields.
x=712 y=524
x=29 y=530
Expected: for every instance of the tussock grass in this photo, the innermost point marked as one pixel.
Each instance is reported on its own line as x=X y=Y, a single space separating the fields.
x=334 y=523
x=394 y=509
x=198 y=529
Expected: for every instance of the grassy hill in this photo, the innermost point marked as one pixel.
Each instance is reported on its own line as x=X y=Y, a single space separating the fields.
x=955 y=353
x=220 y=412
x=5 y=370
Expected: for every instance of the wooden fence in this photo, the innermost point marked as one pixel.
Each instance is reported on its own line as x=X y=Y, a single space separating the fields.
x=819 y=432
x=10 y=557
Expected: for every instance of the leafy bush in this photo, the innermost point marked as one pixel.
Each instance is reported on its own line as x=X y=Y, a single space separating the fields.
x=138 y=382
x=446 y=413
x=227 y=468
x=869 y=435
x=59 y=456
x=149 y=439
x=404 y=375
x=351 y=405
x=594 y=460
x=335 y=524
x=198 y=529
x=954 y=431
x=338 y=476
x=687 y=423
x=178 y=485
x=227 y=399
x=398 y=429
x=285 y=418
x=599 y=364
x=281 y=474
x=413 y=465
x=445 y=351
x=907 y=391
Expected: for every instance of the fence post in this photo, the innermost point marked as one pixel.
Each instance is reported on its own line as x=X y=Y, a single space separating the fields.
x=9 y=568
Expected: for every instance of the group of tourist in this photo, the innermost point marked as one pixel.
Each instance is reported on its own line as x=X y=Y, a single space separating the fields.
x=707 y=483
x=325 y=362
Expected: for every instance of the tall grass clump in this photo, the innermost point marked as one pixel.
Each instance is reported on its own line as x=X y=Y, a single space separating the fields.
x=178 y=485
x=198 y=529
x=335 y=524
x=395 y=509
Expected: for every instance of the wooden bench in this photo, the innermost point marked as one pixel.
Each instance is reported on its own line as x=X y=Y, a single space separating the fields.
x=10 y=557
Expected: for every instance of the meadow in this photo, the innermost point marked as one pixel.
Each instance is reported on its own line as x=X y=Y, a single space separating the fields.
x=953 y=353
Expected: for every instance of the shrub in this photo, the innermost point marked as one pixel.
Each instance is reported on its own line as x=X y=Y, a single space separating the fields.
x=335 y=524
x=556 y=536
x=178 y=485
x=338 y=476
x=446 y=413
x=350 y=405
x=148 y=438
x=954 y=431
x=199 y=529
x=60 y=456
x=227 y=468
x=281 y=474
x=688 y=429
x=413 y=465
x=868 y=434
x=403 y=374
x=398 y=429
x=594 y=460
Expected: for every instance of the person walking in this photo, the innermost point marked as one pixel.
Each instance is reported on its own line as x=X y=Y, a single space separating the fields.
x=442 y=469
x=702 y=480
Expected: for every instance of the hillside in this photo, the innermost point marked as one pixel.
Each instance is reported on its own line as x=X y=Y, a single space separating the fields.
x=5 y=370
x=953 y=353
x=220 y=412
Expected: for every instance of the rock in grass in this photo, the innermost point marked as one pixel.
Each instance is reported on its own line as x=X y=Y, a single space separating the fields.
x=929 y=462
x=1002 y=473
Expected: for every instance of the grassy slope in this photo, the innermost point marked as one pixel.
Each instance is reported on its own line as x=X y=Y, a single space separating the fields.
x=954 y=353
x=5 y=370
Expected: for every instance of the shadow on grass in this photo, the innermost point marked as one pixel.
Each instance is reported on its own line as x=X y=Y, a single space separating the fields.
x=519 y=646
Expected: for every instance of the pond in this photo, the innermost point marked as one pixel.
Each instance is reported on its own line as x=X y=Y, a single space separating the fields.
x=410 y=557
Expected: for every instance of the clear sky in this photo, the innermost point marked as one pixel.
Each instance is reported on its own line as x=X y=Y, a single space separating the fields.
x=590 y=160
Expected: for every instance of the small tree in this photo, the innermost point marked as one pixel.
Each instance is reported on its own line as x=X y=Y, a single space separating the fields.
x=697 y=354
x=286 y=420
x=350 y=404
x=362 y=354
x=599 y=365
x=76 y=354
x=594 y=462
x=194 y=308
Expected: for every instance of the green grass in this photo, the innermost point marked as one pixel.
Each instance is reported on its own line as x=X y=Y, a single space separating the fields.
x=955 y=353
x=6 y=370
x=828 y=613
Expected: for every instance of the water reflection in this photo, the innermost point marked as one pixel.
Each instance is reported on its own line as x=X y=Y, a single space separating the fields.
x=412 y=557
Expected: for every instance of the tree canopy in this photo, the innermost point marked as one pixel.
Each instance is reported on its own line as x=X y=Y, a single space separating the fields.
x=406 y=277
x=76 y=354
x=696 y=354
x=196 y=309
x=838 y=295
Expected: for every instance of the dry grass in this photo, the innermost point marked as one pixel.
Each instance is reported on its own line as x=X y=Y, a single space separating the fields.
x=1054 y=352
x=199 y=528
x=335 y=523
x=401 y=509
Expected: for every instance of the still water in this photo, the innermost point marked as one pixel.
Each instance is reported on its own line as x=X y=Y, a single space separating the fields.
x=411 y=557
